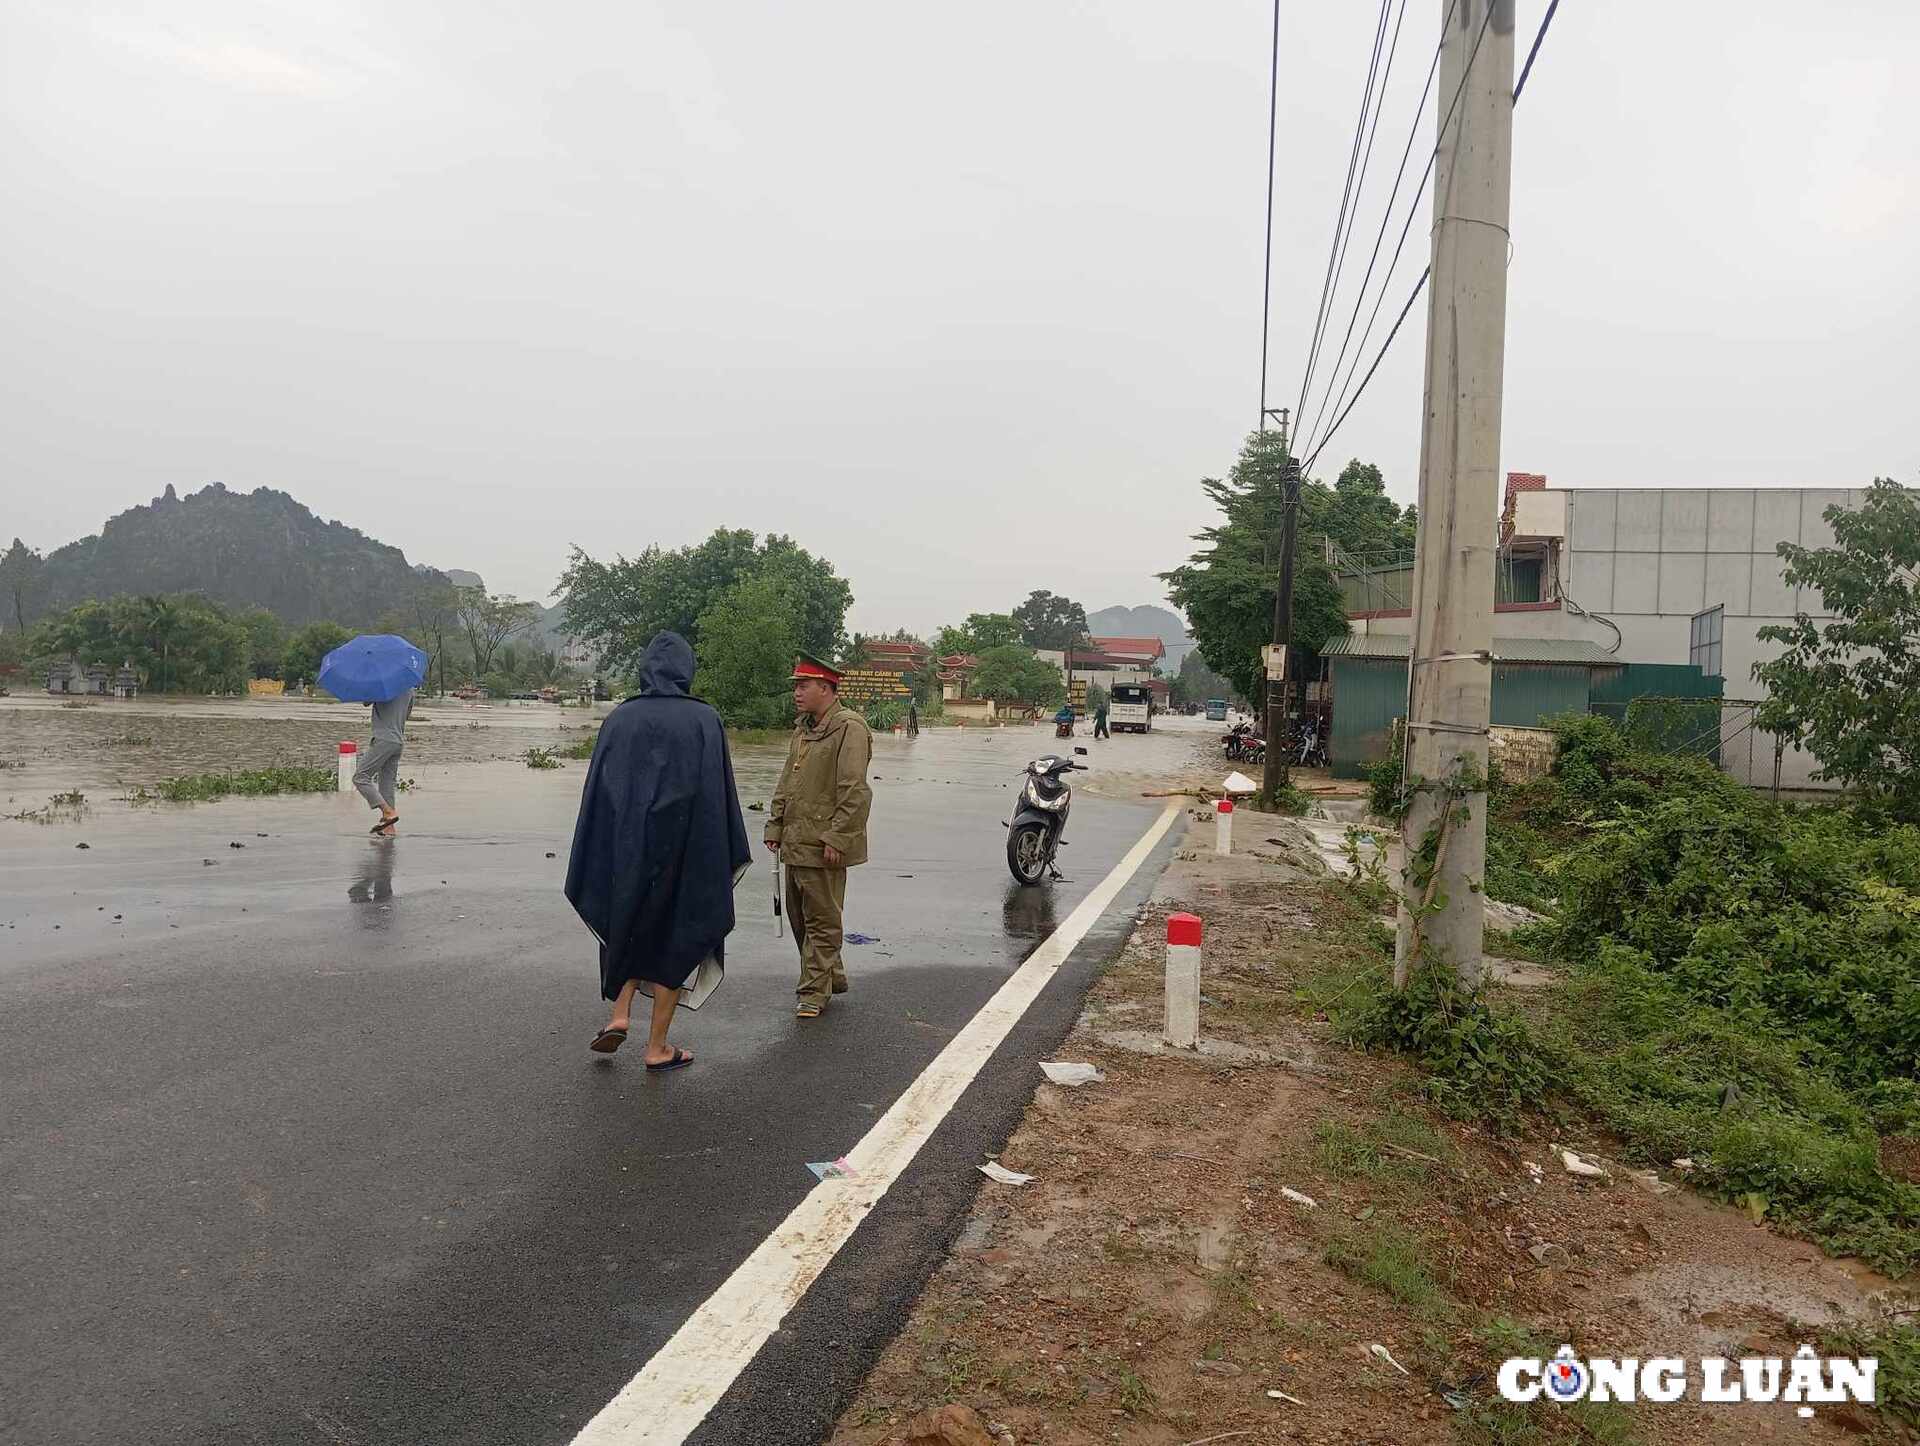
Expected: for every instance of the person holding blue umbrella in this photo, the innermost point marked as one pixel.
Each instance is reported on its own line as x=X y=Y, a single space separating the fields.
x=385 y=671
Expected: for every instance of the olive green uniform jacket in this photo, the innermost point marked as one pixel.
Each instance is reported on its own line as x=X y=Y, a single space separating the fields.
x=823 y=797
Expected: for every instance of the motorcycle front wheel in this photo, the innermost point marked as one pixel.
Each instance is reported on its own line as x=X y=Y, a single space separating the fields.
x=1027 y=852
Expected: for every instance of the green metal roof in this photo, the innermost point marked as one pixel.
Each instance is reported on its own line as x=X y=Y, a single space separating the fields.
x=1505 y=650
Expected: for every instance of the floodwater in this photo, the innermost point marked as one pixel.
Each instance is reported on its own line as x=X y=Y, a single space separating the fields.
x=104 y=748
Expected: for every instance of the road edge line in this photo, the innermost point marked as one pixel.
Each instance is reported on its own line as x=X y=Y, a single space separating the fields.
x=685 y=1379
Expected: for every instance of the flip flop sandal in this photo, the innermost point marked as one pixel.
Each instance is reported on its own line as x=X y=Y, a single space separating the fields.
x=807 y=1011
x=608 y=1040
x=384 y=825
x=681 y=1059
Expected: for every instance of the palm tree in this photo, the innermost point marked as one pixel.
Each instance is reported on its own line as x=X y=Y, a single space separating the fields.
x=162 y=628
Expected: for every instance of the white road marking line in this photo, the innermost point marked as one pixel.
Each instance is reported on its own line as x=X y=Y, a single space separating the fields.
x=689 y=1374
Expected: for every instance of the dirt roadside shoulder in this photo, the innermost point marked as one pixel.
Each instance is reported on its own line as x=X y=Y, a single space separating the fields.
x=1275 y=1240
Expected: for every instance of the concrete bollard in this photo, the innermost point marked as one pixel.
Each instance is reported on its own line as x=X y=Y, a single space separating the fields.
x=349 y=761
x=1223 y=826
x=1183 y=981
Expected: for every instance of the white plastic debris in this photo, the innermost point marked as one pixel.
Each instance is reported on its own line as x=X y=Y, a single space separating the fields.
x=994 y=1170
x=1539 y=1176
x=1283 y=1396
x=1238 y=782
x=833 y=1169
x=1289 y=1193
x=1685 y=1162
x=1376 y=1349
x=1071 y=1075
x=1585 y=1169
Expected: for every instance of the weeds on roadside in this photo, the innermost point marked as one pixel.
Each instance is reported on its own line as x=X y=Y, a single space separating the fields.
x=1390 y=1260
x=580 y=748
x=540 y=758
x=249 y=783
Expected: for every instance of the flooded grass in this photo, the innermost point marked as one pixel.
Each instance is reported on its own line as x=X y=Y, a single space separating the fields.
x=248 y=783
x=541 y=758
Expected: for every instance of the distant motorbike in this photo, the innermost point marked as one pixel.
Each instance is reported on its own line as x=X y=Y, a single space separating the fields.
x=1062 y=730
x=1034 y=833
x=1236 y=740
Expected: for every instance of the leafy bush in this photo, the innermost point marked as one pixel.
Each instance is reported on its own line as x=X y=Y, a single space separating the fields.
x=249 y=783
x=882 y=716
x=541 y=758
x=1483 y=1064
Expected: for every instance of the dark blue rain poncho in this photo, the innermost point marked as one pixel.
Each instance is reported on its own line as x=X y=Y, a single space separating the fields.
x=660 y=840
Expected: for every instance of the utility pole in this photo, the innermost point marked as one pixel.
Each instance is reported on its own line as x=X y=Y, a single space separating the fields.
x=1274 y=778
x=1451 y=663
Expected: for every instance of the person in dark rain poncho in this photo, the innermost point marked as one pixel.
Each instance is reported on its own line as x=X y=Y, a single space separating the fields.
x=658 y=847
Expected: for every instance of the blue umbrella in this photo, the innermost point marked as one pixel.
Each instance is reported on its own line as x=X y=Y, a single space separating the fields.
x=372 y=668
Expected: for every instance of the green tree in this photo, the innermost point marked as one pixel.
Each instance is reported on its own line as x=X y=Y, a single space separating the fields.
x=1848 y=690
x=1047 y=621
x=1197 y=682
x=748 y=638
x=1227 y=587
x=300 y=663
x=266 y=641
x=618 y=606
x=488 y=620
x=1357 y=513
x=1012 y=674
x=177 y=642
x=436 y=627
x=23 y=576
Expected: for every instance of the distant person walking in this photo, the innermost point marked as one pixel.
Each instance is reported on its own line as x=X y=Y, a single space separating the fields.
x=1100 y=720
x=658 y=847
x=913 y=718
x=378 y=775
x=817 y=824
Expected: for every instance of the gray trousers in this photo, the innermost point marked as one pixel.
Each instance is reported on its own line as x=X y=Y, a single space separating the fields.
x=378 y=771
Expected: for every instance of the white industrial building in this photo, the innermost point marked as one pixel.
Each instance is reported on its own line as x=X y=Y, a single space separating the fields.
x=1656 y=575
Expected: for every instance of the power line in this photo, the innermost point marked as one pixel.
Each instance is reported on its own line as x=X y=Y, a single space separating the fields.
x=1340 y=219
x=1266 y=292
x=1413 y=209
x=1386 y=219
x=1538 y=36
x=1420 y=285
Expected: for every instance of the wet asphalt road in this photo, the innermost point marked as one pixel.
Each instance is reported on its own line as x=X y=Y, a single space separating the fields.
x=303 y=1142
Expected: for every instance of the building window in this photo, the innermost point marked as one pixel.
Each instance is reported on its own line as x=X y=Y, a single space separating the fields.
x=1703 y=642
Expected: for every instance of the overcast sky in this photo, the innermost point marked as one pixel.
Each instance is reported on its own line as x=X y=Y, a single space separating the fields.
x=966 y=299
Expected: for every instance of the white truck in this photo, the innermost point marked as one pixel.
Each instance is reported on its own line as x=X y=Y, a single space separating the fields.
x=1130 y=709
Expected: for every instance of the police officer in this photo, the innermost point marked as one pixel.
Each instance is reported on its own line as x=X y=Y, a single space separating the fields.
x=817 y=824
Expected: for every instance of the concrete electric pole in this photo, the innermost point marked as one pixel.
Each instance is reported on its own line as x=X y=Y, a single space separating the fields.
x=1450 y=683
x=1279 y=684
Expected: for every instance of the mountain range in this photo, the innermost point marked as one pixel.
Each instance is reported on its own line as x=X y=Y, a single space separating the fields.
x=265 y=549
x=243 y=549
x=1145 y=621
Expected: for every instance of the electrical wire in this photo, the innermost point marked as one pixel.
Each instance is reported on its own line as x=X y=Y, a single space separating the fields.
x=1413 y=209
x=1347 y=197
x=1343 y=411
x=1386 y=219
x=1266 y=291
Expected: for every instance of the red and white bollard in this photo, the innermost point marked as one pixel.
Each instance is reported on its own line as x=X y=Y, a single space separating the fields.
x=1223 y=826
x=349 y=762
x=1183 y=981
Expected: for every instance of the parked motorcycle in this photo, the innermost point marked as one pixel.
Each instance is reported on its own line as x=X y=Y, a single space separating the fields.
x=1040 y=818
x=1236 y=740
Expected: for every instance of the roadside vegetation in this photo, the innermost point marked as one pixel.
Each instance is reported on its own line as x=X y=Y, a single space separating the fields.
x=1735 y=985
x=245 y=783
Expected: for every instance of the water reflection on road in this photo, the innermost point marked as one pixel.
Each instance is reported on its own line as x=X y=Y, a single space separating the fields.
x=372 y=886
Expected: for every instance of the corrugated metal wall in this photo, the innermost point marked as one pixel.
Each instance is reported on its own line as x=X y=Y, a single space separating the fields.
x=1369 y=693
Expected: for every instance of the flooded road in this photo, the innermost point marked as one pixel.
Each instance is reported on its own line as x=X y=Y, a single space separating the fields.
x=304 y=1140
x=103 y=748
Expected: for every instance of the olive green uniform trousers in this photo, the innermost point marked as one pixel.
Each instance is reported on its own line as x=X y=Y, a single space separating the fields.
x=815 y=898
